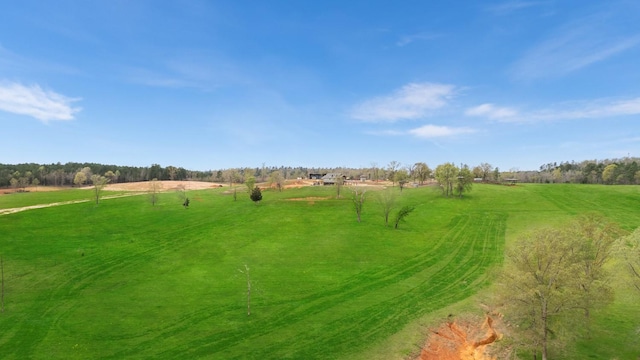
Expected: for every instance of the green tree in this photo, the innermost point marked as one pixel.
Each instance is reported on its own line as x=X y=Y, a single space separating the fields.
x=629 y=248
x=422 y=172
x=557 y=175
x=401 y=176
x=402 y=214
x=156 y=172
x=99 y=182
x=446 y=175
x=256 y=195
x=43 y=172
x=113 y=178
x=486 y=171
x=80 y=178
x=609 y=174
x=542 y=288
x=464 y=180
x=596 y=238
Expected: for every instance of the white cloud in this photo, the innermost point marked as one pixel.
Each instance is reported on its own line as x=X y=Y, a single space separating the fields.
x=412 y=101
x=435 y=131
x=491 y=111
x=589 y=110
x=576 y=110
x=571 y=48
x=33 y=101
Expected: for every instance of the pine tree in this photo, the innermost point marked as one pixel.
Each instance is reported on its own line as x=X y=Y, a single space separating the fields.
x=256 y=194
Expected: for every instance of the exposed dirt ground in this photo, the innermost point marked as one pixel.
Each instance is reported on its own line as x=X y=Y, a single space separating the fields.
x=166 y=185
x=461 y=340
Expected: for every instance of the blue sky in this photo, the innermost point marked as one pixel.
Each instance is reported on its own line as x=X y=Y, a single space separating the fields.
x=219 y=84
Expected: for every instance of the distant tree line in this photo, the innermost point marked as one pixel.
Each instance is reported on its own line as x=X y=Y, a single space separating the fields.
x=610 y=171
x=625 y=171
x=22 y=175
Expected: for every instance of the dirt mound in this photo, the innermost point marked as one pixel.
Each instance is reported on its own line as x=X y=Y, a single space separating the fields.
x=461 y=340
x=166 y=185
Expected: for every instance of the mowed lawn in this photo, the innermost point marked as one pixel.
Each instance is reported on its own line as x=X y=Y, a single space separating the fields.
x=126 y=279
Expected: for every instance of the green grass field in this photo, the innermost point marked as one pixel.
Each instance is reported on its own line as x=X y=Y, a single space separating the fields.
x=127 y=280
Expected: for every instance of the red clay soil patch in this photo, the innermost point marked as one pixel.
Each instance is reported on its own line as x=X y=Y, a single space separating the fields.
x=167 y=185
x=461 y=340
x=7 y=191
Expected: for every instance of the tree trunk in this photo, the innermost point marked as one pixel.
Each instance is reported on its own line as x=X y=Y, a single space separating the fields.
x=544 y=330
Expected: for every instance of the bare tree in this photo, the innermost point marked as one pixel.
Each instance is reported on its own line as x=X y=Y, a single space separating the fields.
x=358 y=201
x=250 y=182
x=391 y=171
x=154 y=189
x=182 y=193
x=276 y=179
x=387 y=200
x=99 y=183
x=486 y=170
x=375 y=171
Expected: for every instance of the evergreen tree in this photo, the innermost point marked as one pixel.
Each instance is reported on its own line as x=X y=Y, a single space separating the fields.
x=256 y=195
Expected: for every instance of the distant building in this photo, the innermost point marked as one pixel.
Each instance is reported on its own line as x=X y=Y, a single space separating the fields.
x=316 y=176
x=331 y=178
x=511 y=181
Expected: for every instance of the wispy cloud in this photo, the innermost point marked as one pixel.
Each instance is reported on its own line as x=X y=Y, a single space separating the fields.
x=412 y=101
x=589 y=110
x=436 y=131
x=491 y=111
x=571 y=48
x=408 y=39
x=13 y=63
x=576 y=110
x=203 y=71
x=508 y=7
x=44 y=105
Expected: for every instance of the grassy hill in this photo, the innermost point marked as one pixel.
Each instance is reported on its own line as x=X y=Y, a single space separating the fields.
x=126 y=279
